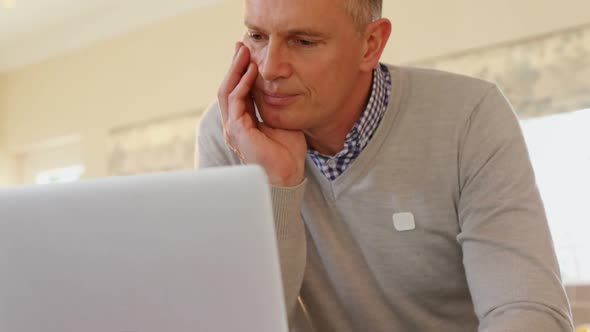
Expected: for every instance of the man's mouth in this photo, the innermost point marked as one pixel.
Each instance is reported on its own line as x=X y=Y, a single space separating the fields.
x=277 y=98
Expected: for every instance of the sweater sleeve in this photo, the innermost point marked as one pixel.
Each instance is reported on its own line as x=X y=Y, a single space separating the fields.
x=213 y=152
x=508 y=253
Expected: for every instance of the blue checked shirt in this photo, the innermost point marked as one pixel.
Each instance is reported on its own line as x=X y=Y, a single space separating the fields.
x=362 y=131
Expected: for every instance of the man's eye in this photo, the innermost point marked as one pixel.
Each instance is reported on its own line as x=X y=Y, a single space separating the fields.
x=305 y=43
x=255 y=36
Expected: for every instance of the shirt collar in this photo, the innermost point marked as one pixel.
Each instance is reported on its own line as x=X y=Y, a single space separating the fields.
x=362 y=131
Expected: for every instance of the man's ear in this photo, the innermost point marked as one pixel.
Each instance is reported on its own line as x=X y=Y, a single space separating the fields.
x=376 y=37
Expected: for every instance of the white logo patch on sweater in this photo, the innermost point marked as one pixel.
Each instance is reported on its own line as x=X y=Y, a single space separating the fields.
x=404 y=221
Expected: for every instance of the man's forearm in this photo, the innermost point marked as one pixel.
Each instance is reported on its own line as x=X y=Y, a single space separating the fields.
x=291 y=240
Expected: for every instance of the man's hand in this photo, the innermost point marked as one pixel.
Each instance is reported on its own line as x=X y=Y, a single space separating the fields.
x=280 y=152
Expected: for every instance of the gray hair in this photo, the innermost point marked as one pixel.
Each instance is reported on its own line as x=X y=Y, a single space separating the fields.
x=364 y=12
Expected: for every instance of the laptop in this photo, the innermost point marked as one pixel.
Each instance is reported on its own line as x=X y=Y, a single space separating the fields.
x=171 y=252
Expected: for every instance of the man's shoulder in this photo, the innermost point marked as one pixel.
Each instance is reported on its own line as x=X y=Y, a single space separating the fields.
x=212 y=114
x=433 y=91
x=440 y=77
x=211 y=122
x=438 y=82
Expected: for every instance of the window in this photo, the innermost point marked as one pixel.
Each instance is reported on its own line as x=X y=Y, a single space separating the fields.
x=559 y=146
x=60 y=175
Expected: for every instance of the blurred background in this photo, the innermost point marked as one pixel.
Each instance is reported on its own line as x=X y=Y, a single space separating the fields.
x=97 y=88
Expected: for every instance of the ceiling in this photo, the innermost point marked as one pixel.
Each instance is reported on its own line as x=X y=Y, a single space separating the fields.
x=34 y=30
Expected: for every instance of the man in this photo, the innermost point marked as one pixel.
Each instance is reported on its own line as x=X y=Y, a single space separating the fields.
x=404 y=199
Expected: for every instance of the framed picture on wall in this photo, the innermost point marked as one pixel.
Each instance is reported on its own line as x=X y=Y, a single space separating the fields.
x=157 y=145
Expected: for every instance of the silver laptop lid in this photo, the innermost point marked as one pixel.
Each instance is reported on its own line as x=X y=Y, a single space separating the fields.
x=173 y=252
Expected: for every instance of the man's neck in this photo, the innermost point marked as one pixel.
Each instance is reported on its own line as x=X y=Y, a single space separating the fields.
x=329 y=140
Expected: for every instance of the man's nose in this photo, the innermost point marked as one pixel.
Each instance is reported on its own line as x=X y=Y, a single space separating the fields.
x=274 y=63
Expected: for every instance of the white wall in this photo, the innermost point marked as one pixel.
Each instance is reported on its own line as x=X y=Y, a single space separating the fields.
x=175 y=66
x=8 y=169
x=429 y=28
x=171 y=67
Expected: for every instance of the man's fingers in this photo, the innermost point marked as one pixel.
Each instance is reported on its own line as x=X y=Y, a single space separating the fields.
x=233 y=77
x=237 y=48
x=234 y=97
x=236 y=70
x=241 y=114
x=239 y=99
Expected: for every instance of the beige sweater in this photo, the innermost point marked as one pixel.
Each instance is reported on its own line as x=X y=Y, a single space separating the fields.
x=478 y=256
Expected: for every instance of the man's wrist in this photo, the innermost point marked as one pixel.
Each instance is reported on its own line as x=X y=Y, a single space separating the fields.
x=287 y=183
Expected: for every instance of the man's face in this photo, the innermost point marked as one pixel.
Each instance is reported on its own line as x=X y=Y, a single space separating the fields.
x=308 y=53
